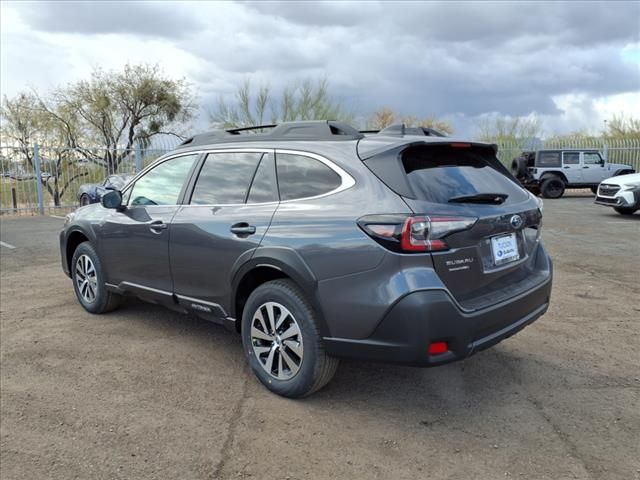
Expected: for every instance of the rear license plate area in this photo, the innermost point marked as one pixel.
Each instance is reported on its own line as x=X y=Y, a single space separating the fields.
x=504 y=249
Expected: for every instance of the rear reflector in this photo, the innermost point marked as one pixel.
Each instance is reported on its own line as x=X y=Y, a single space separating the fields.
x=460 y=145
x=438 y=348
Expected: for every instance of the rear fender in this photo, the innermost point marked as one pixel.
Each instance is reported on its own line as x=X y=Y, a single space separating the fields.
x=290 y=263
x=553 y=173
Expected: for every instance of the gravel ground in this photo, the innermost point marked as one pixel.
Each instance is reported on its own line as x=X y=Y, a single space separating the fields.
x=147 y=393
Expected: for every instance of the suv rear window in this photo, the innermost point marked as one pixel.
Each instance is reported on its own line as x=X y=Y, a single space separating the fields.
x=548 y=159
x=438 y=173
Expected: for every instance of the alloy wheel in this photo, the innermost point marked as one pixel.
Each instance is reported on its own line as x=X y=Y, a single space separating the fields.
x=276 y=340
x=86 y=278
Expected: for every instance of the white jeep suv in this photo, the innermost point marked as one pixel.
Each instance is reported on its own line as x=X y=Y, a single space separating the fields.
x=621 y=192
x=550 y=172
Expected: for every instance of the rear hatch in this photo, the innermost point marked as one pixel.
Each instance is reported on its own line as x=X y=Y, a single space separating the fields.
x=489 y=225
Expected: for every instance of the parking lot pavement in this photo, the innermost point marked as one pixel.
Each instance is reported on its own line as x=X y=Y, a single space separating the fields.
x=148 y=393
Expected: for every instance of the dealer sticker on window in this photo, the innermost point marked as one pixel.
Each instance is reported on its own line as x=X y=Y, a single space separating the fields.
x=505 y=249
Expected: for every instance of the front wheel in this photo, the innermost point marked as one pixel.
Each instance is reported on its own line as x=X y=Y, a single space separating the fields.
x=84 y=200
x=594 y=190
x=282 y=342
x=625 y=210
x=89 y=282
x=552 y=187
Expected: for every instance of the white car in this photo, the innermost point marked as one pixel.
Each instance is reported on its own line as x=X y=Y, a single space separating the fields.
x=621 y=192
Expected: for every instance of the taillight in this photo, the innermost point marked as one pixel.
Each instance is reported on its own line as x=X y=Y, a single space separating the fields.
x=409 y=234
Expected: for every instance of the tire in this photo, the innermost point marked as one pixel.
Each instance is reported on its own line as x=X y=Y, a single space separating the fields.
x=92 y=294
x=552 y=187
x=594 y=190
x=311 y=367
x=519 y=167
x=625 y=210
x=85 y=200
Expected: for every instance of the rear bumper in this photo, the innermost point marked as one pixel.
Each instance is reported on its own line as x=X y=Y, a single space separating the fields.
x=423 y=317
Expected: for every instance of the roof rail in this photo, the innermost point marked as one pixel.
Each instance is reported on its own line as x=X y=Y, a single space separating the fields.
x=236 y=131
x=298 y=130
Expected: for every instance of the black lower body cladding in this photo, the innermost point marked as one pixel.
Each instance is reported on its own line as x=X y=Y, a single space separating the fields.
x=424 y=317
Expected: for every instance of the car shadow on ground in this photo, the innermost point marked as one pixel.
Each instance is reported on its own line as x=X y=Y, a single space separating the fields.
x=479 y=382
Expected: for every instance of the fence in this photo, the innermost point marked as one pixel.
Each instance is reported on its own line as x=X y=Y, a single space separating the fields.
x=41 y=180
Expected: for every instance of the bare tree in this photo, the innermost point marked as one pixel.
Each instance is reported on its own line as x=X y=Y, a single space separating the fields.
x=26 y=122
x=306 y=100
x=500 y=129
x=621 y=126
x=385 y=117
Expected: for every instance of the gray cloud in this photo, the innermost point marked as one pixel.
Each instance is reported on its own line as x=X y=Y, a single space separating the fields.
x=104 y=17
x=457 y=60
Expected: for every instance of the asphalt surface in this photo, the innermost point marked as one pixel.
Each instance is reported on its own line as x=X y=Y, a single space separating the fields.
x=145 y=393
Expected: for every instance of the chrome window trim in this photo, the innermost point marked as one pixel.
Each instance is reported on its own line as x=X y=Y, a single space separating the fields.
x=346 y=180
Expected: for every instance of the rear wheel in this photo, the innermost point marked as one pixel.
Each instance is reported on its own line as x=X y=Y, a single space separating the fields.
x=89 y=282
x=282 y=342
x=625 y=210
x=552 y=187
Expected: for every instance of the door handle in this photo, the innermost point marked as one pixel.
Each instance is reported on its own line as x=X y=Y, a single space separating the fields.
x=157 y=226
x=585 y=167
x=567 y=167
x=243 y=228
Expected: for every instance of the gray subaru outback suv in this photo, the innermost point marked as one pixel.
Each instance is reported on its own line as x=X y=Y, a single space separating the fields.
x=317 y=242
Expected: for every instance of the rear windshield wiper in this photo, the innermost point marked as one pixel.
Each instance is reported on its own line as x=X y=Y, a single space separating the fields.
x=492 y=198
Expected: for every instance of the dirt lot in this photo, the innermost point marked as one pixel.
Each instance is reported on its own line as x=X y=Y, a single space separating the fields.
x=147 y=393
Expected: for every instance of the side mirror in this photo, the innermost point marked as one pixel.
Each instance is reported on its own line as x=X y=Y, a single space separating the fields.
x=112 y=199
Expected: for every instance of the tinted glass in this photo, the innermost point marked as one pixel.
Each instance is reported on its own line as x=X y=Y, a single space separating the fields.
x=162 y=184
x=548 y=159
x=264 y=189
x=225 y=178
x=301 y=177
x=571 y=158
x=591 y=158
x=437 y=174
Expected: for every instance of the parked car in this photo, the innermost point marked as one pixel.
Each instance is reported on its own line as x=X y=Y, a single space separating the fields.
x=621 y=192
x=92 y=192
x=315 y=242
x=551 y=172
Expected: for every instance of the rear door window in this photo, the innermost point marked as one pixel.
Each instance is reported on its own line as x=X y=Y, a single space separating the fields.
x=225 y=178
x=437 y=174
x=300 y=176
x=571 y=158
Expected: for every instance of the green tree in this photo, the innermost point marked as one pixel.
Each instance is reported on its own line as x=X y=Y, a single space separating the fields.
x=98 y=120
x=117 y=109
x=306 y=100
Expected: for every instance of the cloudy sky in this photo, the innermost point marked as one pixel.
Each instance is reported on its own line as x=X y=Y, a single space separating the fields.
x=572 y=64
